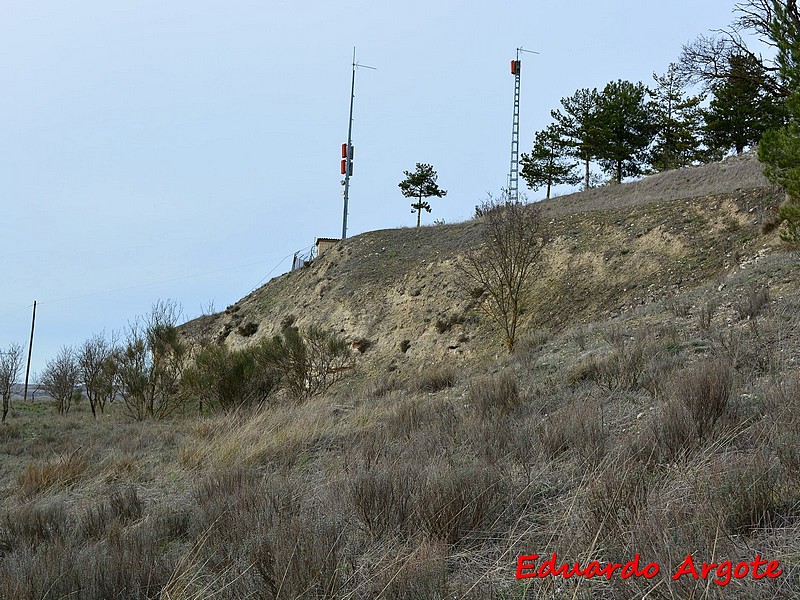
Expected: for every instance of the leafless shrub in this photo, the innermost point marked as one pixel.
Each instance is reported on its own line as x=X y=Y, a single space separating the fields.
x=381 y=497
x=749 y=306
x=706 y=315
x=614 y=497
x=453 y=500
x=750 y=493
x=503 y=264
x=577 y=427
x=673 y=430
x=679 y=308
x=495 y=393
x=705 y=390
x=31 y=525
x=60 y=378
x=10 y=365
x=436 y=378
x=419 y=571
x=97 y=371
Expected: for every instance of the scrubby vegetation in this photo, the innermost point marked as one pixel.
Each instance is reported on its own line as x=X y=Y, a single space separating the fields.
x=657 y=433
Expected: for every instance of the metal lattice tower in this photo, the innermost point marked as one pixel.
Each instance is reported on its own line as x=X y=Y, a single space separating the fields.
x=513 y=172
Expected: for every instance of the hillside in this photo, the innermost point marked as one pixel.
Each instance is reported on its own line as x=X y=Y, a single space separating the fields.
x=611 y=249
x=651 y=413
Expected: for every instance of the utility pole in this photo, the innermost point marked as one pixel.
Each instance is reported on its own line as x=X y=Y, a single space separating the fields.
x=513 y=173
x=347 y=149
x=30 y=349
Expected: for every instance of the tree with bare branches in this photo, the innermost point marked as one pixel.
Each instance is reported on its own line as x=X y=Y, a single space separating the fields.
x=10 y=365
x=707 y=59
x=150 y=364
x=60 y=378
x=501 y=268
x=97 y=371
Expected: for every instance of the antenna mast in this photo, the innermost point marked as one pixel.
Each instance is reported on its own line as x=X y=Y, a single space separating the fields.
x=513 y=173
x=347 y=149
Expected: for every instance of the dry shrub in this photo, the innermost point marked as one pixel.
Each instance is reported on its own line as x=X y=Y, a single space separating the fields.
x=580 y=336
x=381 y=497
x=679 y=308
x=39 y=476
x=303 y=556
x=528 y=347
x=750 y=305
x=9 y=432
x=619 y=368
x=261 y=534
x=614 y=497
x=750 y=493
x=781 y=425
x=673 y=430
x=492 y=393
x=453 y=500
x=577 y=428
x=123 y=506
x=436 y=378
x=416 y=572
x=705 y=390
x=31 y=525
x=414 y=415
x=380 y=388
x=706 y=315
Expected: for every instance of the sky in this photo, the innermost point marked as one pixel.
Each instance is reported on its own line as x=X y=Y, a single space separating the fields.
x=182 y=150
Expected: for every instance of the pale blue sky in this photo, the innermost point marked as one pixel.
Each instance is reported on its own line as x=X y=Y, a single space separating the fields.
x=172 y=149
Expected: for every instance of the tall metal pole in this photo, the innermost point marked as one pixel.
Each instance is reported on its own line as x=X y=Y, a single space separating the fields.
x=349 y=148
x=513 y=172
x=30 y=350
x=347 y=161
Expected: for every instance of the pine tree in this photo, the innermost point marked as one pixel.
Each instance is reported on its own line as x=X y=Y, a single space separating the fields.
x=547 y=164
x=742 y=109
x=421 y=184
x=623 y=129
x=678 y=122
x=779 y=149
x=577 y=128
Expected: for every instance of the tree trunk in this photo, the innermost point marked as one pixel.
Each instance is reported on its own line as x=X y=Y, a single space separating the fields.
x=586 y=179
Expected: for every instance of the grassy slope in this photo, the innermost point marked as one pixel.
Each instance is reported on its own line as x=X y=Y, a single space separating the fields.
x=589 y=442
